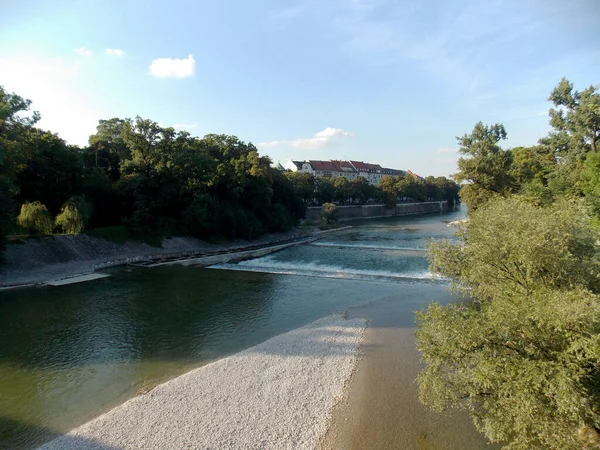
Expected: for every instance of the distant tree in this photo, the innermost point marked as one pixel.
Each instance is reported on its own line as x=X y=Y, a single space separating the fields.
x=576 y=119
x=74 y=215
x=361 y=190
x=343 y=191
x=35 y=218
x=324 y=190
x=329 y=212
x=390 y=189
x=485 y=166
x=304 y=185
x=522 y=354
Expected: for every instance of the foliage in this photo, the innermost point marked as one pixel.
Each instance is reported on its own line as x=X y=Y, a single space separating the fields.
x=576 y=119
x=590 y=181
x=35 y=218
x=485 y=165
x=12 y=125
x=329 y=212
x=74 y=215
x=522 y=355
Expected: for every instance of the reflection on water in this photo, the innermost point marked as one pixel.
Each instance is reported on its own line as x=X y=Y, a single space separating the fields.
x=69 y=353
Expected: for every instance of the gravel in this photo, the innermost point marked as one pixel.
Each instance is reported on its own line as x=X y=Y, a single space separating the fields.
x=276 y=395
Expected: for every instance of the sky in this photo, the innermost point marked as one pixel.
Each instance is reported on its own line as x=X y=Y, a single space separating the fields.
x=382 y=81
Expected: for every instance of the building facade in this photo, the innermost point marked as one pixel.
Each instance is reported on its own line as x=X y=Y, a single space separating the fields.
x=351 y=170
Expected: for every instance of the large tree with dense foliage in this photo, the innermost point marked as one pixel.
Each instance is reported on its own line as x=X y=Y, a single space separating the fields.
x=14 y=122
x=484 y=166
x=522 y=355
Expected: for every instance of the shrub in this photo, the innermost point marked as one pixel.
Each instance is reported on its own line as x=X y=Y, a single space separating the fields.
x=329 y=212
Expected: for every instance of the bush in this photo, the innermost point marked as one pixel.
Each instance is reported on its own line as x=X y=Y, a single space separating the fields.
x=35 y=218
x=74 y=215
x=329 y=212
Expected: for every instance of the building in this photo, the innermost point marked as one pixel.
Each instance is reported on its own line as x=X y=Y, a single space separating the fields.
x=351 y=170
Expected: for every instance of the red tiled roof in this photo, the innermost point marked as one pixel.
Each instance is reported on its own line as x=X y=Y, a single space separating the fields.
x=366 y=167
x=323 y=165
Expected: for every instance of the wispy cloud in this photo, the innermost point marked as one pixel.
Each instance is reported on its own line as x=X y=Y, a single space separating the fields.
x=173 y=67
x=82 y=51
x=114 y=52
x=324 y=138
x=449 y=43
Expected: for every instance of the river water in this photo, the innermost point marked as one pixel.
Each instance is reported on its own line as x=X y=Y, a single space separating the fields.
x=69 y=353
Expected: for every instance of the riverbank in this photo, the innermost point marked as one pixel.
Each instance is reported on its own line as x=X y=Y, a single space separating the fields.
x=50 y=259
x=276 y=395
x=382 y=408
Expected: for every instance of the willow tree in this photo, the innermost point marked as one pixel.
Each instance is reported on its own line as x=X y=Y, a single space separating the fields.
x=522 y=354
x=35 y=218
x=74 y=215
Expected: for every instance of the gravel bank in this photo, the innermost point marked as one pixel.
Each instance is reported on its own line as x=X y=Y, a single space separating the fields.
x=276 y=395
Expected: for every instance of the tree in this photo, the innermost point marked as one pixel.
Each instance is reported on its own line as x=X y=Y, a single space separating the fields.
x=522 y=354
x=390 y=188
x=577 y=116
x=590 y=181
x=74 y=215
x=329 y=212
x=12 y=124
x=35 y=218
x=304 y=185
x=485 y=166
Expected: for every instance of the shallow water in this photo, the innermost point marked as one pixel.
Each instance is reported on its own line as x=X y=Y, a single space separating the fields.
x=69 y=353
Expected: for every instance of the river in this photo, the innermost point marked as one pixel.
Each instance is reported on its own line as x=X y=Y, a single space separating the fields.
x=69 y=353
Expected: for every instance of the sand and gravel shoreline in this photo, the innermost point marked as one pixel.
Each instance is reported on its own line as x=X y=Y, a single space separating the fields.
x=277 y=395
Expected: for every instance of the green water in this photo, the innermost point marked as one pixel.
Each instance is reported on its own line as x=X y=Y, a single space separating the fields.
x=69 y=353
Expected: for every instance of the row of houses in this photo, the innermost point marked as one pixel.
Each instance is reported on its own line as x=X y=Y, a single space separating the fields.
x=350 y=170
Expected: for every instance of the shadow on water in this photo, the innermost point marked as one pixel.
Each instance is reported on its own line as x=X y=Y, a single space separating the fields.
x=38 y=436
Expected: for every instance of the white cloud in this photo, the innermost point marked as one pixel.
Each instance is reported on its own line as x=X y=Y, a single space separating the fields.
x=114 y=52
x=82 y=51
x=173 y=67
x=325 y=138
x=49 y=84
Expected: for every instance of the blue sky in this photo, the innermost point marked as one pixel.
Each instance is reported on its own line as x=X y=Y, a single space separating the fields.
x=383 y=81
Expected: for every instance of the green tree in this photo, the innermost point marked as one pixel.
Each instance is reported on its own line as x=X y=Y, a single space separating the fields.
x=576 y=119
x=522 y=354
x=12 y=125
x=304 y=185
x=390 y=189
x=590 y=181
x=485 y=167
x=35 y=218
x=329 y=212
x=74 y=215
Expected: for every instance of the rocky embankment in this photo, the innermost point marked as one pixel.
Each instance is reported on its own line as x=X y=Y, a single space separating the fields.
x=38 y=261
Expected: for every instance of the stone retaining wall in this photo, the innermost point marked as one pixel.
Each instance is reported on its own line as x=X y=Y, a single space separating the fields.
x=313 y=214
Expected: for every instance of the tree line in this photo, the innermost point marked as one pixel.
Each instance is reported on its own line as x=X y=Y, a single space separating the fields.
x=521 y=351
x=155 y=180
x=315 y=191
